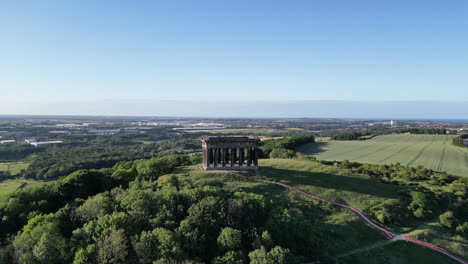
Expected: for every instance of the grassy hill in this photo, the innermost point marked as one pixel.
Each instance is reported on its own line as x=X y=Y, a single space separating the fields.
x=434 y=152
x=339 y=229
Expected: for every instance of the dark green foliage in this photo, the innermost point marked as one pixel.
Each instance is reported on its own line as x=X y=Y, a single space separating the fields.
x=16 y=207
x=291 y=143
x=281 y=153
x=350 y=135
x=460 y=141
x=87 y=218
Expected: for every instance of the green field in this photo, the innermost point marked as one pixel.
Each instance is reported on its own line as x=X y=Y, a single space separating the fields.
x=13 y=167
x=16 y=184
x=434 y=152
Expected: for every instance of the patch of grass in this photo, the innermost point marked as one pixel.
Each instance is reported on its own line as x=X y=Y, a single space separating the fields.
x=400 y=252
x=438 y=235
x=13 y=167
x=8 y=186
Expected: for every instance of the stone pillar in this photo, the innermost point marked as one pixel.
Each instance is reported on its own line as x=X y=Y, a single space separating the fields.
x=206 y=157
x=249 y=156
x=241 y=156
x=220 y=155
x=255 y=157
x=215 y=157
x=233 y=157
x=224 y=157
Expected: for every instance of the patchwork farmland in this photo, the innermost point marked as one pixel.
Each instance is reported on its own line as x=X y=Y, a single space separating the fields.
x=431 y=151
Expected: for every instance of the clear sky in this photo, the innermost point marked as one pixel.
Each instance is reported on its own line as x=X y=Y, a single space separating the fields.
x=113 y=53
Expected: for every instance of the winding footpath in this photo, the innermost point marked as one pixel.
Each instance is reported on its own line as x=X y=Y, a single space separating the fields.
x=390 y=235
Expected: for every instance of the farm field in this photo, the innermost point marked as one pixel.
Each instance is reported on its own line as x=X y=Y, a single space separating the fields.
x=434 y=152
x=13 y=167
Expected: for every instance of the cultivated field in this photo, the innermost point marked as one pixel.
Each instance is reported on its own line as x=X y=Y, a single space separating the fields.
x=431 y=151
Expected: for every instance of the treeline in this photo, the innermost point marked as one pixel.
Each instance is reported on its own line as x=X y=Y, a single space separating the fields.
x=461 y=141
x=351 y=135
x=284 y=147
x=9 y=152
x=357 y=134
x=123 y=215
x=423 y=130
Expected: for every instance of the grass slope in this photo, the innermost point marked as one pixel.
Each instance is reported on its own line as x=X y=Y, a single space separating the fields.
x=400 y=252
x=434 y=152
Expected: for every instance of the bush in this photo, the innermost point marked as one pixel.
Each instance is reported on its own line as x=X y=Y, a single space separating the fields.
x=281 y=153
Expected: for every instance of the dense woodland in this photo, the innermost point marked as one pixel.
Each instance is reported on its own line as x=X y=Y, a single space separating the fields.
x=283 y=148
x=123 y=215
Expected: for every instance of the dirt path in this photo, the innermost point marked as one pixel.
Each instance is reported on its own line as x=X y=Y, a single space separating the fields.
x=390 y=235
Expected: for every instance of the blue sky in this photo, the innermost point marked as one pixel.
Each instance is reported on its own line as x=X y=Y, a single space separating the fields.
x=110 y=53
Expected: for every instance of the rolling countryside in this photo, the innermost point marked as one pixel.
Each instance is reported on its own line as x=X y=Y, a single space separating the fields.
x=434 y=152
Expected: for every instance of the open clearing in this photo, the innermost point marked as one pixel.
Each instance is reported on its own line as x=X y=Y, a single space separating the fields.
x=13 y=167
x=15 y=184
x=434 y=152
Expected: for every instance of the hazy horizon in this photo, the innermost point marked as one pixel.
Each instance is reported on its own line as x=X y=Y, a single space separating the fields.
x=248 y=109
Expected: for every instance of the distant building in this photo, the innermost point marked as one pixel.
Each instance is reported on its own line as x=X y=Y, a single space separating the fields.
x=69 y=125
x=46 y=143
x=59 y=132
x=103 y=131
x=10 y=141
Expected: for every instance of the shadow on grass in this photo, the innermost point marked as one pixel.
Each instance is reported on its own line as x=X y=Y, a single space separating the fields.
x=332 y=181
x=313 y=148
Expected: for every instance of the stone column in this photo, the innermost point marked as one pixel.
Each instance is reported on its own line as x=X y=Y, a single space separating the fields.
x=224 y=156
x=206 y=157
x=215 y=157
x=255 y=157
x=233 y=157
x=249 y=156
x=220 y=155
x=241 y=156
